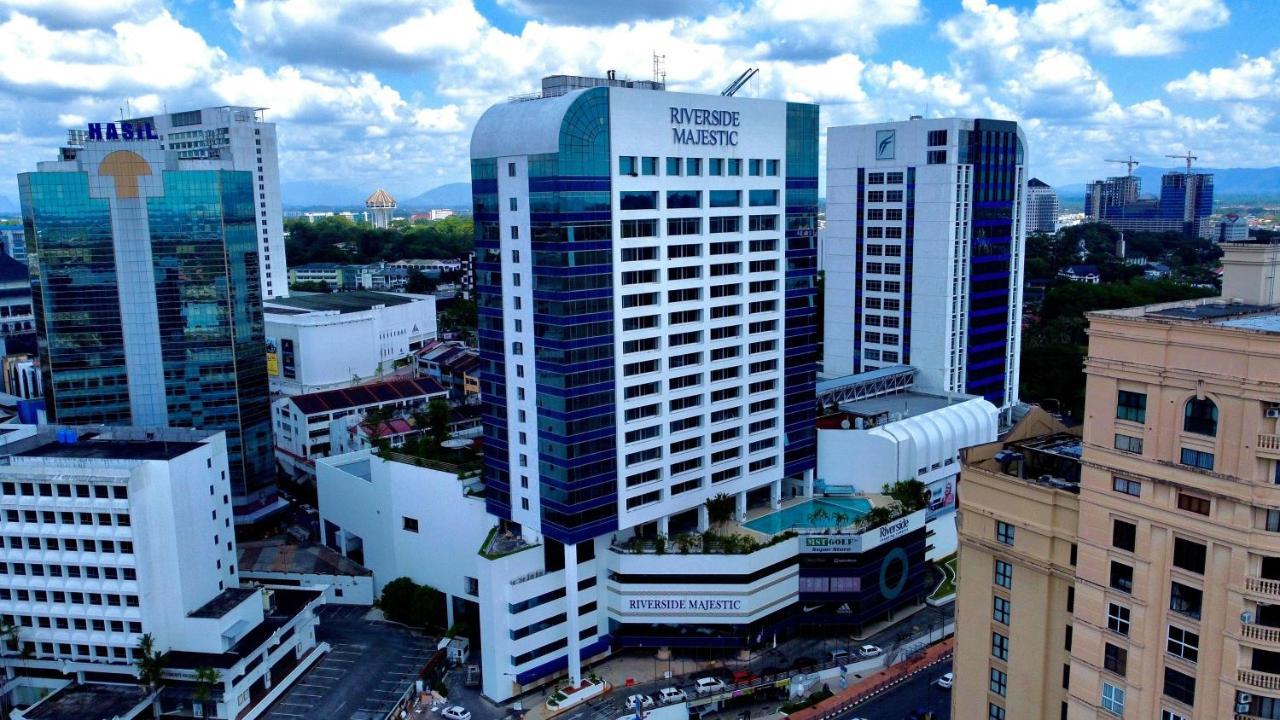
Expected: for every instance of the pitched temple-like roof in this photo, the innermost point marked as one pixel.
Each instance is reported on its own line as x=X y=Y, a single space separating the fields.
x=383 y=392
x=380 y=199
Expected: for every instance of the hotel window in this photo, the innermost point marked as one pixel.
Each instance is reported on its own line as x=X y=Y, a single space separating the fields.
x=1197 y=458
x=673 y=165
x=999 y=646
x=1004 y=574
x=893 y=196
x=1121 y=577
x=1115 y=659
x=515 y=232
x=1118 y=619
x=936 y=157
x=724 y=198
x=1200 y=416
x=1191 y=503
x=1004 y=532
x=999 y=682
x=511 y=168
x=1180 y=686
x=641 y=228
x=1171 y=715
x=735 y=167
x=1185 y=600
x=995 y=712
x=1131 y=406
x=875 y=232
x=626 y=166
x=715 y=166
x=762 y=198
x=1000 y=608
x=693 y=167
x=1113 y=699
x=683 y=199
x=1183 y=643
x=683 y=226
x=755 y=167
x=1129 y=444
x=1273 y=521
x=1124 y=535
x=771 y=168
x=893 y=178
x=875 y=178
x=726 y=224
x=1126 y=486
x=1189 y=555
x=649 y=166
x=638 y=200
x=409 y=524
x=893 y=214
x=512 y=204
x=637 y=254
x=937 y=137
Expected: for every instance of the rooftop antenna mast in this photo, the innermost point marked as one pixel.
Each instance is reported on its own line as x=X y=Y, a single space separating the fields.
x=1129 y=164
x=736 y=85
x=659 y=68
x=1187 y=156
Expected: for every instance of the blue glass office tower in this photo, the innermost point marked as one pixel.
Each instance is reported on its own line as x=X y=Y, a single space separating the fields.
x=1184 y=204
x=145 y=288
x=646 y=267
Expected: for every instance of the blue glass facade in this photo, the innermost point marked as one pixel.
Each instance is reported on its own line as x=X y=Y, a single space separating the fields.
x=995 y=153
x=571 y=240
x=801 y=363
x=205 y=262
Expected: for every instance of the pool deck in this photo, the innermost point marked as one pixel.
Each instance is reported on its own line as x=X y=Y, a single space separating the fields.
x=876 y=500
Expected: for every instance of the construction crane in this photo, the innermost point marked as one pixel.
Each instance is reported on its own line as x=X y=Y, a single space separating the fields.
x=1188 y=157
x=1129 y=164
x=736 y=85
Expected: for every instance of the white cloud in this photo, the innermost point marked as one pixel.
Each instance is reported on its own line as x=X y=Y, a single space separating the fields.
x=41 y=60
x=1249 y=79
x=79 y=14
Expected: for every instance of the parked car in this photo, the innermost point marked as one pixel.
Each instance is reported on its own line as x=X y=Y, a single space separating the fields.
x=870 y=651
x=708 y=685
x=669 y=695
x=840 y=657
x=743 y=676
x=456 y=712
x=945 y=681
x=644 y=700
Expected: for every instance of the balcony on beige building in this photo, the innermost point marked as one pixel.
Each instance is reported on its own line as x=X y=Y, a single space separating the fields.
x=1261 y=634
x=1262 y=586
x=1269 y=446
x=1258 y=680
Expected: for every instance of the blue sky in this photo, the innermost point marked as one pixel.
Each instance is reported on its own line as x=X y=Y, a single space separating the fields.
x=373 y=93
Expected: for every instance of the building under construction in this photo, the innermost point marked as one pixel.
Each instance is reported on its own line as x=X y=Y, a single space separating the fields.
x=1183 y=205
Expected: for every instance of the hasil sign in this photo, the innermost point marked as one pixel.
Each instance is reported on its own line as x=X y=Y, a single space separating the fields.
x=121 y=131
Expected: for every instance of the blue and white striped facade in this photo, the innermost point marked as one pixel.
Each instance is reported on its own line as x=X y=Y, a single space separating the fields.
x=923 y=252
x=646 y=281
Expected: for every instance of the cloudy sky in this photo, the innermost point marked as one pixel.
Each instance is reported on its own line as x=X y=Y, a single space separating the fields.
x=374 y=93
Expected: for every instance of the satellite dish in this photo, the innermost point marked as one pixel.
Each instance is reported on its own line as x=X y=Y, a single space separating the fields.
x=845 y=423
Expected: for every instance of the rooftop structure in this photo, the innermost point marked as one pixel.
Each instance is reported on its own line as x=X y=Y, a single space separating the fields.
x=381 y=205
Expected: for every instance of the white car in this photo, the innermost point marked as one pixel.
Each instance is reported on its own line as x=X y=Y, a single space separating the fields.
x=669 y=695
x=644 y=700
x=456 y=712
x=708 y=685
x=869 y=651
x=945 y=681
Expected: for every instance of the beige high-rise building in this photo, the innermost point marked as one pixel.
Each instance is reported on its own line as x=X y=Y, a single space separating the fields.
x=1175 y=612
x=1017 y=525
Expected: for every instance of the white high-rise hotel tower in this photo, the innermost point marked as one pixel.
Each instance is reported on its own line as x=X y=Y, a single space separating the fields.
x=924 y=253
x=645 y=268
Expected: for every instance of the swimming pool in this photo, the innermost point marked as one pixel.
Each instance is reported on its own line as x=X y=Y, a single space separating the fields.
x=799 y=515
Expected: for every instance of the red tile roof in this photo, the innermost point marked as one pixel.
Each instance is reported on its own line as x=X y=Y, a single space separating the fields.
x=360 y=395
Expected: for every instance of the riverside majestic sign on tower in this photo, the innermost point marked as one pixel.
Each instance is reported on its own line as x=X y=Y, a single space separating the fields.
x=711 y=127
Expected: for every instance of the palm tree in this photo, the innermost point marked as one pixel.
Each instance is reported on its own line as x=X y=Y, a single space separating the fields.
x=878 y=516
x=841 y=519
x=817 y=515
x=720 y=509
x=206 y=678
x=151 y=665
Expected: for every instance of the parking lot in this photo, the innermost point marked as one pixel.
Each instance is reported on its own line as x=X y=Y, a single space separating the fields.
x=371 y=665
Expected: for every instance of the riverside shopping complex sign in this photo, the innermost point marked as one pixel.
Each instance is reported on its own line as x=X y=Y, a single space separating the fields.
x=873 y=538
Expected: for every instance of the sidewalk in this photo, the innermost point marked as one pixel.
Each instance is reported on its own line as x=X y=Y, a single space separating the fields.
x=875 y=684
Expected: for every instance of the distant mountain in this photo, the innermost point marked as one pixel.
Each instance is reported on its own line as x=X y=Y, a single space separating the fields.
x=1227 y=183
x=451 y=195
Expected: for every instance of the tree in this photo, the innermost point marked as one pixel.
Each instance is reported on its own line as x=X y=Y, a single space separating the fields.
x=419 y=283
x=841 y=519
x=720 y=509
x=206 y=678
x=396 y=600
x=438 y=414
x=878 y=515
x=151 y=666
x=910 y=494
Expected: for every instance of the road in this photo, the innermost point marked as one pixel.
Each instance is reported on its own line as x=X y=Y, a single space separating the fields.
x=918 y=692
